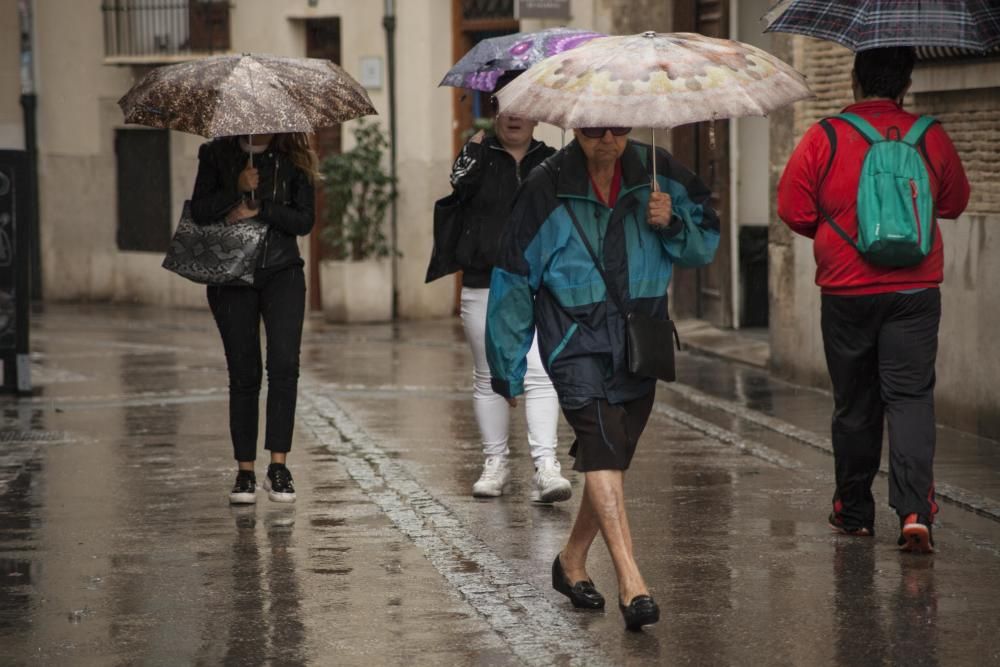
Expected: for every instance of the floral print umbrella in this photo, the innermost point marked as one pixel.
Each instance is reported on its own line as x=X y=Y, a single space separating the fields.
x=652 y=79
x=246 y=94
x=480 y=68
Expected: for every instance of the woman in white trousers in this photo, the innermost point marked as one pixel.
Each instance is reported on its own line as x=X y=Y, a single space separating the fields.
x=485 y=177
x=541 y=406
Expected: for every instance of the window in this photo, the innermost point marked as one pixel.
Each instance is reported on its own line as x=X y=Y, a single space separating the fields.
x=164 y=30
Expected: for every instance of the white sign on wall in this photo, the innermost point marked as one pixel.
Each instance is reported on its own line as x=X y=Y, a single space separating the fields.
x=370 y=72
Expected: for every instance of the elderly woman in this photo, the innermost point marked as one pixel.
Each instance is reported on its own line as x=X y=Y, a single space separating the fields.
x=546 y=279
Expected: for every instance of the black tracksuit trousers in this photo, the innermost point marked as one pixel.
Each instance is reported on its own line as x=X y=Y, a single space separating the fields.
x=279 y=300
x=880 y=351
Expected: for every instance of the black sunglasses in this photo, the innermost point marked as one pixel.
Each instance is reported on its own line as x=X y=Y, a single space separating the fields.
x=598 y=132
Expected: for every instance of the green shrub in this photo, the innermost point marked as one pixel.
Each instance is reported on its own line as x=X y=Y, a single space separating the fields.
x=358 y=195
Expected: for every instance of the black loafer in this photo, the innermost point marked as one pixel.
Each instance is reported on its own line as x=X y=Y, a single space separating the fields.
x=642 y=610
x=582 y=594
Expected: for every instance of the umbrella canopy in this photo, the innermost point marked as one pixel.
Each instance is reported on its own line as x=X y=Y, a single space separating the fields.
x=248 y=94
x=653 y=80
x=868 y=24
x=480 y=68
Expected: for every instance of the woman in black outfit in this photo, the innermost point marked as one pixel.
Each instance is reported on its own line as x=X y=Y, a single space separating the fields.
x=270 y=178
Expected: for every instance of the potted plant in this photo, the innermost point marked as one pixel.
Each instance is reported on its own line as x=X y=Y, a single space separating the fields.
x=356 y=276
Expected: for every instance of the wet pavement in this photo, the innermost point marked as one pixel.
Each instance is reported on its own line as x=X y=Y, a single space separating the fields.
x=117 y=545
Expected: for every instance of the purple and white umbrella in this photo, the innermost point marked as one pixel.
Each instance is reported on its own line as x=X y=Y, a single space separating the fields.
x=486 y=62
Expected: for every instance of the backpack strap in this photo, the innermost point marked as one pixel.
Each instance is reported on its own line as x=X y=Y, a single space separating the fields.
x=831 y=134
x=915 y=136
x=863 y=127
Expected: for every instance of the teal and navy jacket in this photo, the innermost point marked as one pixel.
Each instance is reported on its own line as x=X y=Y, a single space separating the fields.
x=545 y=278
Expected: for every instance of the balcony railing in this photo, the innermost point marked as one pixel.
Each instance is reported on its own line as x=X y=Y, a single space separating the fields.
x=160 y=31
x=480 y=10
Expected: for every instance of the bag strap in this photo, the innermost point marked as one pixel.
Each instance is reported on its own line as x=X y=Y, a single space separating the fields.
x=916 y=134
x=593 y=256
x=831 y=134
x=863 y=127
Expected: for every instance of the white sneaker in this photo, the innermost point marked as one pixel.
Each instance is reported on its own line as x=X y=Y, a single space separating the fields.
x=550 y=485
x=496 y=472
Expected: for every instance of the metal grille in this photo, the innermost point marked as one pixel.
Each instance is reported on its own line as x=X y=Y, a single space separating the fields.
x=487 y=9
x=933 y=53
x=151 y=28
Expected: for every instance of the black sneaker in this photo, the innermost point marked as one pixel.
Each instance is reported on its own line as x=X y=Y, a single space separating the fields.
x=278 y=484
x=838 y=525
x=245 y=488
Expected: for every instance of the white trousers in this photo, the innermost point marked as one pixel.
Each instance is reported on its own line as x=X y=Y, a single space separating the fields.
x=541 y=403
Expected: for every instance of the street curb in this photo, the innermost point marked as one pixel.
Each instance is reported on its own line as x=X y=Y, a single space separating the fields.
x=973 y=502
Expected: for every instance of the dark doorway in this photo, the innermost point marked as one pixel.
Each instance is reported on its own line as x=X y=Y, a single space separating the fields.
x=706 y=293
x=143 y=158
x=322 y=41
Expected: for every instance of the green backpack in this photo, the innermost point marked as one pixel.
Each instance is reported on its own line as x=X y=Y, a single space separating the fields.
x=895 y=202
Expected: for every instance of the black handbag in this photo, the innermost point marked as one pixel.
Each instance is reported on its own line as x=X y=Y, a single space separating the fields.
x=217 y=253
x=447 y=230
x=650 y=343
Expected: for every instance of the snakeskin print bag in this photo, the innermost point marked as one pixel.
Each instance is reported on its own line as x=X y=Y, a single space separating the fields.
x=215 y=254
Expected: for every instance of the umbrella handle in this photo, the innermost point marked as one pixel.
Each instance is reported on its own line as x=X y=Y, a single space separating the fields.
x=655 y=185
x=250 y=165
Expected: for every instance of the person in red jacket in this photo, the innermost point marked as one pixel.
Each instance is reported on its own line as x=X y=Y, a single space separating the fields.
x=879 y=324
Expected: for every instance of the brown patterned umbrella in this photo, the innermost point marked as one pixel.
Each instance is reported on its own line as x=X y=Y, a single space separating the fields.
x=246 y=94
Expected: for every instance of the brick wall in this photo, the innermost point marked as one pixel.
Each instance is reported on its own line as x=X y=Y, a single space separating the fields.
x=827 y=68
x=972 y=119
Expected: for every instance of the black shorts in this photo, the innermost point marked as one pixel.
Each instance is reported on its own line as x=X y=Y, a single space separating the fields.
x=606 y=433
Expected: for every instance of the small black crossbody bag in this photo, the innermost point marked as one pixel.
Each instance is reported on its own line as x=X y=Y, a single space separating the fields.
x=650 y=341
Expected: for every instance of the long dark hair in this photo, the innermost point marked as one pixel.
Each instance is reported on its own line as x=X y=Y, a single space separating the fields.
x=296 y=146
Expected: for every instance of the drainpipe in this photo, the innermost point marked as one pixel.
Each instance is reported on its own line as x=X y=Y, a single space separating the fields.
x=389 y=23
x=29 y=105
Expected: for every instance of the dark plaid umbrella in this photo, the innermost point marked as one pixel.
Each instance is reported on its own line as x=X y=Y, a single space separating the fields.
x=868 y=24
x=248 y=94
x=480 y=68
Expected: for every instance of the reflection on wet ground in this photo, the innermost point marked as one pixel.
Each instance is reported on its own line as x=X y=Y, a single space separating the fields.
x=117 y=545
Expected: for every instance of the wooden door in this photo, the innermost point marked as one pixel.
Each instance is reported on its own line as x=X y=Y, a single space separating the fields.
x=706 y=293
x=471 y=22
x=322 y=41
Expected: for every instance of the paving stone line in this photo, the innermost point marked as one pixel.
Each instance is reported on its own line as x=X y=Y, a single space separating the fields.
x=124 y=400
x=722 y=435
x=963 y=498
x=535 y=629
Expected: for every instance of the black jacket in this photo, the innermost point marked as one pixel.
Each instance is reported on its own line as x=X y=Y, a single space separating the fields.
x=285 y=193
x=485 y=178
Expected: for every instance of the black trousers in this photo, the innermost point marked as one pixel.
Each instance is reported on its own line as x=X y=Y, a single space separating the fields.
x=279 y=300
x=880 y=351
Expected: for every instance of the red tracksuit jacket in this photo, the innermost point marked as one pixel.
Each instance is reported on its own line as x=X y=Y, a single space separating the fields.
x=839 y=267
